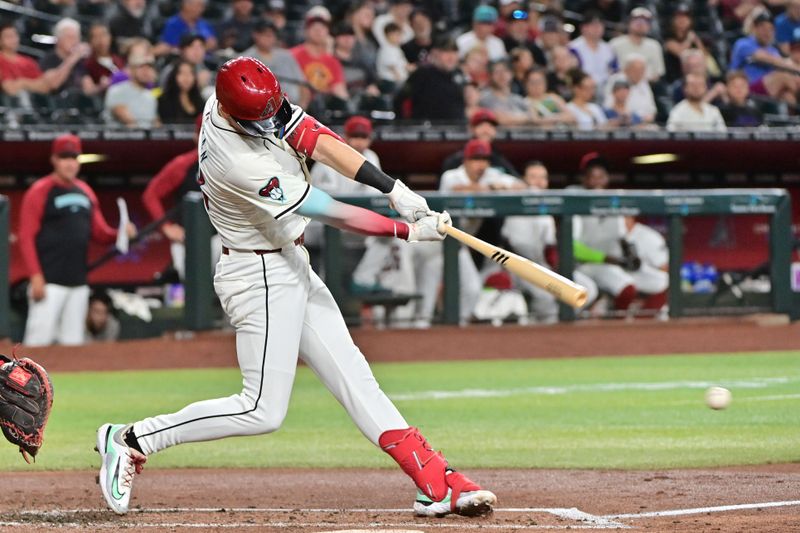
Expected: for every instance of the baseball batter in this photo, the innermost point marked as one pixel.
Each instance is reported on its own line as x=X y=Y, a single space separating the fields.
x=252 y=152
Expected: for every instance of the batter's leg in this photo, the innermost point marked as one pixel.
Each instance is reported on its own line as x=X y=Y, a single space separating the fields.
x=328 y=349
x=43 y=316
x=72 y=323
x=265 y=298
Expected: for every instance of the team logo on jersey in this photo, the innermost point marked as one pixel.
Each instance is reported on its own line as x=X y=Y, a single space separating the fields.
x=273 y=190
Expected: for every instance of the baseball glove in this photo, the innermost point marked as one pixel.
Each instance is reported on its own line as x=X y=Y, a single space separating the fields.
x=26 y=397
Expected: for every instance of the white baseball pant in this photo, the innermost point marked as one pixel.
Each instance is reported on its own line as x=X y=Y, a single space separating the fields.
x=280 y=308
x=59 y=317
x=544 y=306
x=613 y=279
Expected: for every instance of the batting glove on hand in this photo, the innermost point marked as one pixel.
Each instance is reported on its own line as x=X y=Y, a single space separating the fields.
x=408 y=204
x=428 y=228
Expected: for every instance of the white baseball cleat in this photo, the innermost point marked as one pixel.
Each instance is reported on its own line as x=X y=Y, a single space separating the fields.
x=119 y=464
x=473 y=503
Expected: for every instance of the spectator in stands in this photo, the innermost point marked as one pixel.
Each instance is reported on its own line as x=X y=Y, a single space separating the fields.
x=102 y=63
x=787 y=26
x=506 y=8
x=361 y=18
x=101 y=324
x=641 y=102
x=63 y=66
x=521 y=63
x=62 y=216
x=484 y=19
x=136 y=47
x=321 y=69
x=392 y=66
x=769 y=73
x=188 y=20
x=475 y=175
x=740 y=111
x=476 y=66
x=436 y=91
x=360 y=79
x=280 y=61
x=637 y=41
x=616 y=107
x=417 y=49
x=129 y=22
x=162 y=198
x=559 y=79
x=511 y=109
x=588 y=115
x=399 y=12
x=552 y=36
x=275 y=12
x=693 y=61
x=483 y=126
x=595 y=56
x=518 y=36
x=611 y=11
x=547 y=109
x=236 y=31
x=180 y=101
x=19 y=74
x=131 y=103
x=193 y=51
x=693 y=114
x=681 y=38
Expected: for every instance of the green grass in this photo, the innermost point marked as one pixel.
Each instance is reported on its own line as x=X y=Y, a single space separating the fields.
x=578 y=428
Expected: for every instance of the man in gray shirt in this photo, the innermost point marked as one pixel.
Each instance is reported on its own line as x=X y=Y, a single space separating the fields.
x=280 y=61
x=131 y=103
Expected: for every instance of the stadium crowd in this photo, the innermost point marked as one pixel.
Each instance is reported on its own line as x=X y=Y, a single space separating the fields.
x=587 y=64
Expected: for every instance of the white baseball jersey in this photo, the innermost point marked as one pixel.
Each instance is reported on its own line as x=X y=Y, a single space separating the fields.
x=252 y=186
x=650 y=245
x=334 y=183
x=491 y=178
x=529 y=236
x=600 y=232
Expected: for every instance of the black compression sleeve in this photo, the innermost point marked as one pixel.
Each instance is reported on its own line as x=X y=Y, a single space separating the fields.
x=371 y=175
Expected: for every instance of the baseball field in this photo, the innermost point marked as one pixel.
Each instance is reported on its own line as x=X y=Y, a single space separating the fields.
x=566 y=443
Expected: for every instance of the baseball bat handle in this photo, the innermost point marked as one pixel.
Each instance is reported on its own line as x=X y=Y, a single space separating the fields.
x=562 y=288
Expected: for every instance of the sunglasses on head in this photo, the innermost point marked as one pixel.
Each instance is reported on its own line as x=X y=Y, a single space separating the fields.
x=519 y=14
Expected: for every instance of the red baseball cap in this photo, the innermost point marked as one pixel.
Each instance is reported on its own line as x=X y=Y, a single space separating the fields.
x=592 y=159
x=483 y=115
x=477 y=149
x=67 y=144
x=357 y=126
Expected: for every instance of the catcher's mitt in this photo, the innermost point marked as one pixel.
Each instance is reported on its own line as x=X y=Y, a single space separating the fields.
x=26 y=397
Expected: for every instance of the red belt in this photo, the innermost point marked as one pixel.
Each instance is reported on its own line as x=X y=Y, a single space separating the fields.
x=297 y=242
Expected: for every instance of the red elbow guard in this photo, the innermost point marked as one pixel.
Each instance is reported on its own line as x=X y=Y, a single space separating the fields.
x=304 y=137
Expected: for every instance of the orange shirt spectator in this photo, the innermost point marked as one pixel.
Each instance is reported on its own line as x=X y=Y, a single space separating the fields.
x=322 y=70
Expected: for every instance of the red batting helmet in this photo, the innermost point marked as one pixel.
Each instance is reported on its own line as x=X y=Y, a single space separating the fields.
x=251 y=94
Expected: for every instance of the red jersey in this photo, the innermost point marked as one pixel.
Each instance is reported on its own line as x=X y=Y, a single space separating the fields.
x=18 y=68
x=322 y=71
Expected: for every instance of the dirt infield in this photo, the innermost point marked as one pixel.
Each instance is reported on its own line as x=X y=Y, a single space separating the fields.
x=758 y=498
x=314 y=501
x=216 y=349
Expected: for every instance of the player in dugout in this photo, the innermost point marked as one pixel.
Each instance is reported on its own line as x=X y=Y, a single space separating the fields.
x=62 y=216
x=605 y=253
x=253 y=175
x=173 y=181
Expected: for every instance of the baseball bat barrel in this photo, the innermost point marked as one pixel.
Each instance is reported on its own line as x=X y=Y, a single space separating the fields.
x=562 y=288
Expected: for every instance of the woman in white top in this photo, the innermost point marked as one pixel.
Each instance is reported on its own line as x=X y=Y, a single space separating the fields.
x=588 y=115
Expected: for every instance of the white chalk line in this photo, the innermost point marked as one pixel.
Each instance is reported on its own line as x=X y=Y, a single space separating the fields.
x=771 y=398
x=303 y=525
x=549 y=390
x=704 y=510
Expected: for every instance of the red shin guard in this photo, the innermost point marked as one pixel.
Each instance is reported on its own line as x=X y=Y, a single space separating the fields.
x=655 y=301
x=427 y=468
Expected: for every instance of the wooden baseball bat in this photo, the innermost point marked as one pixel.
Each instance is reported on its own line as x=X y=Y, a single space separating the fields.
x=562 y=288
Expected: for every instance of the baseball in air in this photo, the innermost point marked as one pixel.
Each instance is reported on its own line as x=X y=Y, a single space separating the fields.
x=718 y=397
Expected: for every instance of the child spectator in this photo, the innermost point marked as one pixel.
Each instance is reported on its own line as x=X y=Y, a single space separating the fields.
x=392 y=65
x=101 y=324
x=617 y=110
x=740 y=111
